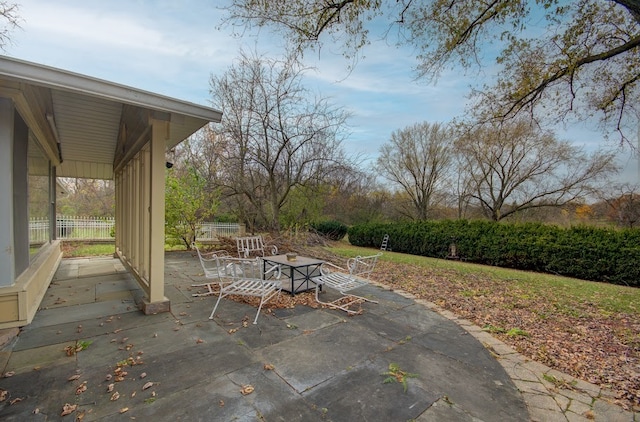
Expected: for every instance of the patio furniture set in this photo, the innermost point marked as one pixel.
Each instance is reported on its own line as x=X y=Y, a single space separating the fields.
x=254 y=273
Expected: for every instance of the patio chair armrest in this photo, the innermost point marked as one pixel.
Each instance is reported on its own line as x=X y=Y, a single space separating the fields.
x=209 y=256
x=274 y=249
x=213 y=254
x=328 y=268
x=276 y=270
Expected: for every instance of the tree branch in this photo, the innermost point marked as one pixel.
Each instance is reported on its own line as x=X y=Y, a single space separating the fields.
x=530 y=96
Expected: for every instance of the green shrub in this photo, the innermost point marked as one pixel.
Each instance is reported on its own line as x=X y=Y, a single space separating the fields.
x=588 y=253
x=333 y=230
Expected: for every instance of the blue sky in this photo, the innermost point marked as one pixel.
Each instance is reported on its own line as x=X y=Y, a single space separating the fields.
x=172 y=47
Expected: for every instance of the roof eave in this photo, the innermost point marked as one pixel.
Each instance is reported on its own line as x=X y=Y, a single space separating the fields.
x=61 y=79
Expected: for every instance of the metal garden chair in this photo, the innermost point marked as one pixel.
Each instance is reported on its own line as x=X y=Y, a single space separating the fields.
x=356 y=275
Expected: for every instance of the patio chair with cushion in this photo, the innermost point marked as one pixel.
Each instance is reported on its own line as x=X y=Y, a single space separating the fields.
x=356 y=275
x=249 y=246
x=247 y=277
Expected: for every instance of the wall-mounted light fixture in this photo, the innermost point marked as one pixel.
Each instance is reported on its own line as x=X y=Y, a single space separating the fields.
x=168 y=164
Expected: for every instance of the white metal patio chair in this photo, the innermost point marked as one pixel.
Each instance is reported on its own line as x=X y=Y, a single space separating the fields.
x=212 y=270
x=253 y=246
x=247 y=277
x=356 y=275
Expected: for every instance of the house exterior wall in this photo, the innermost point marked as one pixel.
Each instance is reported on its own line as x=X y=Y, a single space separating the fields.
x=20 y=194
x=24 y=276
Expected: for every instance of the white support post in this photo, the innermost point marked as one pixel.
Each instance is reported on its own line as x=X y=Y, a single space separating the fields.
x=157 y=301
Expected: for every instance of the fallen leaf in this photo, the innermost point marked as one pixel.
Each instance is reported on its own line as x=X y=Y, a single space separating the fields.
x=199 y=341
x=147 y=385
x=124 y=410
x=36 y=411
x=68 y=409
x=3 y=394
x=247 y=389
x=16 y=400
x=81 y=388
x=221 y=403
x=9 y=374
x=115 y=396
x=110 y=388
x=269 y=367
x=73 y=377
x=143 y=375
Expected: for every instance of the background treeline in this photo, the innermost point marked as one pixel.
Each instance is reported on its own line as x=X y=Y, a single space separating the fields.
x=589 y=253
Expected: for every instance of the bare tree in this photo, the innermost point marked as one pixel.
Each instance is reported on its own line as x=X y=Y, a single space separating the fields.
x=416 y=159
x=277 y=134
x=353 y=196
x=90 y=197
x=515 y=167
x=624 y=206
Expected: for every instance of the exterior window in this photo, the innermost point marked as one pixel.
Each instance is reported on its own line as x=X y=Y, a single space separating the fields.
x=39 y=185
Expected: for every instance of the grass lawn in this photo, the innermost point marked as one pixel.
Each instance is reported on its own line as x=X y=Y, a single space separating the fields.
x=78 y=249
x=586 y=329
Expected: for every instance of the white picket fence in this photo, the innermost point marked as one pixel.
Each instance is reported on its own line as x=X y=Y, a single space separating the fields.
x=212 y=231
x=102 y=229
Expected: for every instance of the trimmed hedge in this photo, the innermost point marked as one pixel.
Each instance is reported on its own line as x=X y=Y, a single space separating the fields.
x=588 y=253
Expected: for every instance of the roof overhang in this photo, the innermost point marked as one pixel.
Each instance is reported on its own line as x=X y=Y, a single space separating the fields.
x=88 y=126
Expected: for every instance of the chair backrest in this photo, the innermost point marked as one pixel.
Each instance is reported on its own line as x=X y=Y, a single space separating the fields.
x=362 y=266
x=249 y=245
x=210 y=263
x=242 y=268
x=222 y=266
